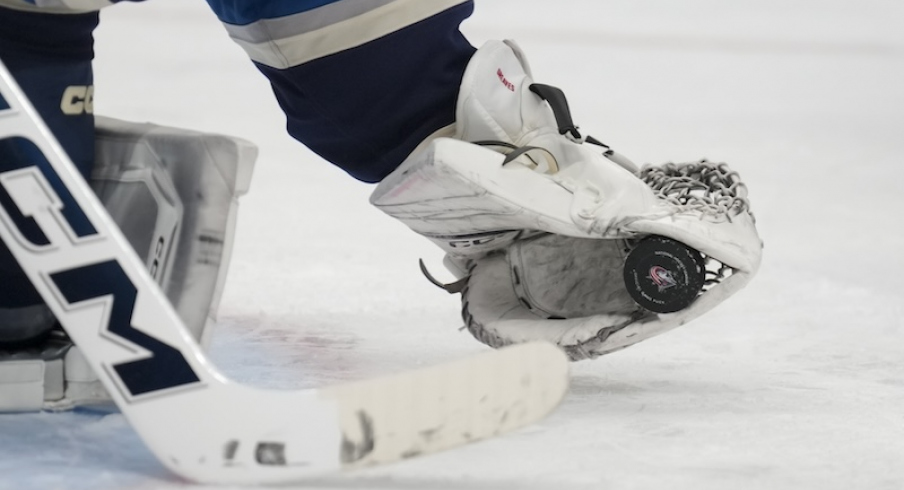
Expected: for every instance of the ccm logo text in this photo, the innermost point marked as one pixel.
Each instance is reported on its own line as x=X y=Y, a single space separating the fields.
x=78 y=99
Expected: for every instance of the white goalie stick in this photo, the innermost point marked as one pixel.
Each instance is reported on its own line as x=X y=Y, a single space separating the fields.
x=198 y=423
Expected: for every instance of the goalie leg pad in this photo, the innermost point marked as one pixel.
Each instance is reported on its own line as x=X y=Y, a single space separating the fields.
x=174 y=194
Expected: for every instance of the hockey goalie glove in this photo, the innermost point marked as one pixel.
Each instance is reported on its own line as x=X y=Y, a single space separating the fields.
x=593 y=296
x=556 y=237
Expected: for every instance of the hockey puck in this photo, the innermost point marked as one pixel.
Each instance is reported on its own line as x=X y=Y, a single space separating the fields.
x=664 y=275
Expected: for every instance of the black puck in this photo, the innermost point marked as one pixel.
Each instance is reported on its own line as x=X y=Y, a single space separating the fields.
x=664 y=275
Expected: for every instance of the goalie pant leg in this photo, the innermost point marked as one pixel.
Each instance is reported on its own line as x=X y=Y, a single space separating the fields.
x=50 y=57
x=362 y=84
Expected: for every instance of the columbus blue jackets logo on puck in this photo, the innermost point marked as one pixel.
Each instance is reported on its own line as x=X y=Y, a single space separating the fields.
x=663 y=275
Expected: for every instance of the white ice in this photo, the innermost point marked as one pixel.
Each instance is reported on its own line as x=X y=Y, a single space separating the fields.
x=795 y=383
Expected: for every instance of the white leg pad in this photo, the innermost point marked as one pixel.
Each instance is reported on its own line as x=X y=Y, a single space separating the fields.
x=23 y=385
x=174 y=193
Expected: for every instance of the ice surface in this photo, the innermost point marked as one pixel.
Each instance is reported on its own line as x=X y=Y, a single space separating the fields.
x=795 y=383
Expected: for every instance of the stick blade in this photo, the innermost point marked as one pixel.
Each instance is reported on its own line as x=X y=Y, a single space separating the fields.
x=441 y=407
x=235 y=434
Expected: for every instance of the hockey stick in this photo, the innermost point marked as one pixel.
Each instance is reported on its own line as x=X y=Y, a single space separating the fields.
x=199 y=424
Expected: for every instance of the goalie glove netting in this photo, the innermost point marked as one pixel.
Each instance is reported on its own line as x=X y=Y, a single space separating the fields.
x=711 y=189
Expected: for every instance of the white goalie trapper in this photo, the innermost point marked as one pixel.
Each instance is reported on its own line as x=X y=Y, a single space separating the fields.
x=539 y=242
x=572 y=290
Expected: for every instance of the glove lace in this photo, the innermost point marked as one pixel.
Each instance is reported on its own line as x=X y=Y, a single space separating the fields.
x=712 y=189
